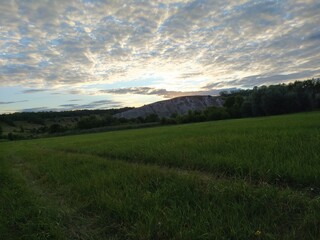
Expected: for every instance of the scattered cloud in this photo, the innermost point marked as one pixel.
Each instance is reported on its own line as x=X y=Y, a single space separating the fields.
x=248 y=82
x=11 y=102
x=76 y=92
x=60 y=45
x=39 y=109
x=27 y=91
x=69 y=105
x=258 y=80
x=92 y=105
x=99 y=104
x=54 y=43
x=103 y=104
x=163 y=92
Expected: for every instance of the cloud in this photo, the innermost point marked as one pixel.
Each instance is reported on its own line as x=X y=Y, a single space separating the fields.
x=189 y=75
x=92 y=105
x=39 y=109
x=76 y=91
x=101 y=104
x=258 y=80
x=163 y=92
x=69 y=105
x=11 y=102
x=28 y=91
x=315 y=37
x=186 y=44
x=267 y=80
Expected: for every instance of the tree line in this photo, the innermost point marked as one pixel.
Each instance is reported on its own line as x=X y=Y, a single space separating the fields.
x=40 y=117
x=298 y=96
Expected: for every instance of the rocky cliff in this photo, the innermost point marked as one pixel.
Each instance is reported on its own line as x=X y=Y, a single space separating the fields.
x=179 y=105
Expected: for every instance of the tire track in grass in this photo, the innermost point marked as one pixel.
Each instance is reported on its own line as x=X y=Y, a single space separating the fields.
x=82 y=220
x=309 y=191
x=74 y=224
x=23 y=214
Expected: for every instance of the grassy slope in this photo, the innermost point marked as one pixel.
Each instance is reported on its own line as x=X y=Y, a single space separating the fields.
x=215 y=180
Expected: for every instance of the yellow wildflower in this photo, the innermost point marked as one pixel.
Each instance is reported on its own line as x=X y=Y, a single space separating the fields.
x=257 y=233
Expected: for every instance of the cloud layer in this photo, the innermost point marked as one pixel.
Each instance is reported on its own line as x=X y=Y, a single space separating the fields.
x=102 y=104
x=173 y=45
x=163 y=92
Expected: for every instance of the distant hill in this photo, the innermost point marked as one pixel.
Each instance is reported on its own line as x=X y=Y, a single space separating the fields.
x=179 y=105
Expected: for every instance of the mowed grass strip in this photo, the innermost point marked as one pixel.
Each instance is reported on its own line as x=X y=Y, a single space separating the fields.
x=119 y=200
x=281 y=150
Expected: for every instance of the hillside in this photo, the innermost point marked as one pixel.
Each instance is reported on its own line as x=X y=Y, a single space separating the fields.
x=30 y=124
x=179 y=105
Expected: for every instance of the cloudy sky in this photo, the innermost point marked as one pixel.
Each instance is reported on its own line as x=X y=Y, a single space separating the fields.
x=76 y=54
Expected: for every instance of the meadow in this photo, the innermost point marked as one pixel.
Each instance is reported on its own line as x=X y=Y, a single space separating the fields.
x=254 y=178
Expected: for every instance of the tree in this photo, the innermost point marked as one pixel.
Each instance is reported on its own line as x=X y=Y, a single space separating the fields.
x=246 y=108
x=152 y=118
x=272 y=101
x=215 y=113
x=55 y=128
x=291 y=102
x=233 y=105
x=89 y=122
x=317 y=100
x=10 y=136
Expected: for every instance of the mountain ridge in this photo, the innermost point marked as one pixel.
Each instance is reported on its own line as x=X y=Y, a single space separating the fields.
x=178 y=105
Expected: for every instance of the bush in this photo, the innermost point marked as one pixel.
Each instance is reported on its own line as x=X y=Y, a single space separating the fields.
x=214 y=113
x=56 y=128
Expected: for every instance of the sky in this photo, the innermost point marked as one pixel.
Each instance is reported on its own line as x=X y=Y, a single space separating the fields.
x=60 y=55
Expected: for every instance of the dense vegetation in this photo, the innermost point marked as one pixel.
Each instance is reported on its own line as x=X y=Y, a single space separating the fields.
x=252 y=178
x=26 y=125
x=299 y=96
x=40 y=117
x=275 y=99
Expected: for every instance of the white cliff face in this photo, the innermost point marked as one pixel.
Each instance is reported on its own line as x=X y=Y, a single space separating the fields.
x=179 y=105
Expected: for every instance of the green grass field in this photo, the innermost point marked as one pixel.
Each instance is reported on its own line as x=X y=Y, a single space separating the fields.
x=253 y=178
